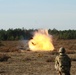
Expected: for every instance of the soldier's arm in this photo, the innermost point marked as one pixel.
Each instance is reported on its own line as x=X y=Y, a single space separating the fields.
x=70 y=62
x=56 y=63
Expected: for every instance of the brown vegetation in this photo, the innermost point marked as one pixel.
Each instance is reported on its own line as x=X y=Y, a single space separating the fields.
x=21 y=61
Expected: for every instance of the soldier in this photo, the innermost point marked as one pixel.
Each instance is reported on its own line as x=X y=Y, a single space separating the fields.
x=62 y=62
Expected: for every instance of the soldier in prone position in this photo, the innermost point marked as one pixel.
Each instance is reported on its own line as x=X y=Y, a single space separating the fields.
x=62 y=62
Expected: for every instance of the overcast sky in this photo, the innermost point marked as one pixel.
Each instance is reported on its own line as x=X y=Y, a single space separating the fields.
x=46 y=14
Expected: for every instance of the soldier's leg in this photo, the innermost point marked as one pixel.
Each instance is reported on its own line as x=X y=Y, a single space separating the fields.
x=67 y=73
x=60 y=73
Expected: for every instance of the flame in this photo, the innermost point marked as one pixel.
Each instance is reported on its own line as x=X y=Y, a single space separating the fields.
x=41 y=41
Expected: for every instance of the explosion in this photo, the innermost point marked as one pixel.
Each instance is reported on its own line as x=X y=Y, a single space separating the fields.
x=41 y=41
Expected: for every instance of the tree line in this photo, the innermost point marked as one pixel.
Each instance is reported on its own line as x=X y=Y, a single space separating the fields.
x=24 y=34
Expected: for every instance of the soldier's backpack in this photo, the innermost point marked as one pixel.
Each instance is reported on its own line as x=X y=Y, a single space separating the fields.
x=64 y=63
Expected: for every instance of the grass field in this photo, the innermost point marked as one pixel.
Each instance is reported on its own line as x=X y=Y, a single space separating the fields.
x=25 y=62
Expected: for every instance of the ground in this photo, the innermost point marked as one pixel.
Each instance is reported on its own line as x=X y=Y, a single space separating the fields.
x=25 y=62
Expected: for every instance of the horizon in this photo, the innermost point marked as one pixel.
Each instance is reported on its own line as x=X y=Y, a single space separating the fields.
x=40 y=14
x=36 y=29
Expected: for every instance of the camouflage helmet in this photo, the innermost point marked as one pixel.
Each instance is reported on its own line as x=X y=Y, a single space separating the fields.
x=62 y=50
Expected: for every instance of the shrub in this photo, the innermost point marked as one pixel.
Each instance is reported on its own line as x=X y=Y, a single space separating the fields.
x=50 y=59
x=27 y=59
x=4 y=57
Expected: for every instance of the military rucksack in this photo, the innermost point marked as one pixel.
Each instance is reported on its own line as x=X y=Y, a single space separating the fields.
x=64 y=63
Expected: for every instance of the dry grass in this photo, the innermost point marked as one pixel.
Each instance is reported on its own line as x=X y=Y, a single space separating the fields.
x=33 y=63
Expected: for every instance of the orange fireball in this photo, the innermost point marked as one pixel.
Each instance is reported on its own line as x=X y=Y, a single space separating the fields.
x=41 y=41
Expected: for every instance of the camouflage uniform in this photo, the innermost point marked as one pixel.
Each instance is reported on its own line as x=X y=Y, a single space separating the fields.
x=62 y=62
